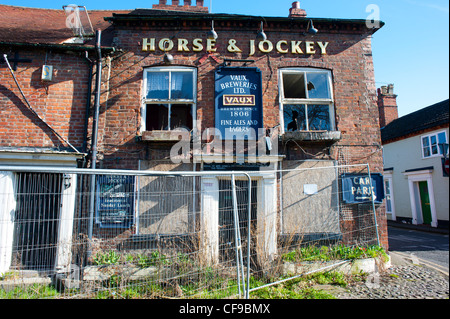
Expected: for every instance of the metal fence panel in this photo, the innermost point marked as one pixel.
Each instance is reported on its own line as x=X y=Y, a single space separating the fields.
x=177 y=234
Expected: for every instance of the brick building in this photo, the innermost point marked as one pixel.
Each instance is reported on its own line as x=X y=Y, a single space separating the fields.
x=164 y=73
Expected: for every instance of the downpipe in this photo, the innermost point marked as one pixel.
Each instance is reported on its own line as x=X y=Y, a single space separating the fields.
x=98 y=82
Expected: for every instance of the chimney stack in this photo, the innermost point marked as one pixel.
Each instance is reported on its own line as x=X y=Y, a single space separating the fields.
x=387 y=105
x=176 y=6
x=295 y=11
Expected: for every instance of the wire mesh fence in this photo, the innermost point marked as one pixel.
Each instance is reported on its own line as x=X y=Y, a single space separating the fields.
x=74 y=233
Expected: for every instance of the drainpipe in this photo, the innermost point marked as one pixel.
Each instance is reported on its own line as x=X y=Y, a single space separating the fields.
x=98 y=83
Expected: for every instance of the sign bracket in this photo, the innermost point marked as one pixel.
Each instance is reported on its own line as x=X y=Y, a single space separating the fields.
x=227 y=62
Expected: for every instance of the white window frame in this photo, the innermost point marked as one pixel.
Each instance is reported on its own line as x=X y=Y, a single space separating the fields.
x=306 y=101
x=146 y=102
x=388 y=178
x=439 y=154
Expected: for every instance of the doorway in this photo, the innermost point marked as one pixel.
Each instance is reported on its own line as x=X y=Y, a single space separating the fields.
x=425 y=203
x=227 y=238
x=37 y=216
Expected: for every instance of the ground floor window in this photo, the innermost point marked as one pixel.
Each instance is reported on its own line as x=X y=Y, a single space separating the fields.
x=388 y=191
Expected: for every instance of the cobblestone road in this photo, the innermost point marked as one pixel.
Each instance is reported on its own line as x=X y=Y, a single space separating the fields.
x=401 y=282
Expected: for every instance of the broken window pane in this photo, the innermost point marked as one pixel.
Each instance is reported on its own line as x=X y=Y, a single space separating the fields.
x=294 y=118
x=318 y=86
x=181 y=116
x=294 y=86
x=157 y=117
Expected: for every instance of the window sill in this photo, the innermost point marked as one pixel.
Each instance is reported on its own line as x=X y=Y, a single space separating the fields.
x=164 y=136
x=312 y=136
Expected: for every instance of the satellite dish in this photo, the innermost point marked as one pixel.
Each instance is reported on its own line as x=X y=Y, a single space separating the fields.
x=77 y=19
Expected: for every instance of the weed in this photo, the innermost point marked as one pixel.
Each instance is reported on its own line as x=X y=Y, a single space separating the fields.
x=109 y=258
x=338 y=252
x=35 y=291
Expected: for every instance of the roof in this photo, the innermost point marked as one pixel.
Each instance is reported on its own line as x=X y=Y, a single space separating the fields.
x=427 y=118
x=332 y=24
x=24 y=25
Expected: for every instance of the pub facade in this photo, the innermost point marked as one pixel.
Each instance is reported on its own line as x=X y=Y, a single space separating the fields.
x=182 y=89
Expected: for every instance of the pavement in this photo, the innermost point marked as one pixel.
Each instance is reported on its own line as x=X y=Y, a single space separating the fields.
x=409 y=277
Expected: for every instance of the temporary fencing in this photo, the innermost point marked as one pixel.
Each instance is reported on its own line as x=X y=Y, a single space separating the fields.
x=175 y=234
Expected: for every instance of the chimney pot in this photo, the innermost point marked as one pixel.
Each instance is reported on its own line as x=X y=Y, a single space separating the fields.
x=390 y=89
x=187 y=6
x=295 y=11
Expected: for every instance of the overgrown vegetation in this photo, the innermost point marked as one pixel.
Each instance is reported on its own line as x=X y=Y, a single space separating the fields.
x=155 y=258
x=188 y=280
x=338 y=252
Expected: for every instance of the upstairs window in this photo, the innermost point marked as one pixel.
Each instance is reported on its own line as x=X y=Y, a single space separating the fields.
x=306 y=100
x=430 y=144
x=169 y=100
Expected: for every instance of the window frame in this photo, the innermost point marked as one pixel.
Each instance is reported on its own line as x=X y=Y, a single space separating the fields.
x=429 y=146
x=146 y=102
x=306 y=101
x=388 y=179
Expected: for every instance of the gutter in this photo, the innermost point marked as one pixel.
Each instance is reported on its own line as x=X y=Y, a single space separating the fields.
x=61 y=47
x=230 y=17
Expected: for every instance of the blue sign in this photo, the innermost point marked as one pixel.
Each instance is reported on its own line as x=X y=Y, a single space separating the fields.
x=359 y=188
x=238 y=102
x=115 y=201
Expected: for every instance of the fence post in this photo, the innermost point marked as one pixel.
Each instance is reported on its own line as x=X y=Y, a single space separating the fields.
x=237 y=236
x=373 y=206
x=249 y=211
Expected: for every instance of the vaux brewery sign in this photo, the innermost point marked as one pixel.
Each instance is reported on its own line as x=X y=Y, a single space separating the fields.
x=360 y=188
x=209 y=45
x=238 y=102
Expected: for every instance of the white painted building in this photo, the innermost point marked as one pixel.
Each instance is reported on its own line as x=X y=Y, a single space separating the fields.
x=416 y=183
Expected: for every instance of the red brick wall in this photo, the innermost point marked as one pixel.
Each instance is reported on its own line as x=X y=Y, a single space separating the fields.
x=61 y=102
x=349 y=58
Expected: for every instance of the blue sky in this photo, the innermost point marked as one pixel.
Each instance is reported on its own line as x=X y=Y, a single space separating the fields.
x=411 y=50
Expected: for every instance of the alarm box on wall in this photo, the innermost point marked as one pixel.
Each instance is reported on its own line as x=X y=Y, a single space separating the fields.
x=47 y=73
